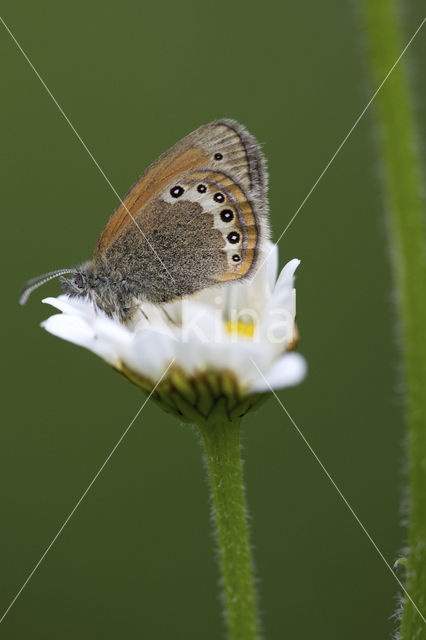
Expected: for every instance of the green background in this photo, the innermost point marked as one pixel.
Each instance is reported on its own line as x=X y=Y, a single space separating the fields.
x=137 y=558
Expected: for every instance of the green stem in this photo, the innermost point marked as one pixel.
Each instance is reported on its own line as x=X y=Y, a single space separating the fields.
x=405 y=209
x=222 y=448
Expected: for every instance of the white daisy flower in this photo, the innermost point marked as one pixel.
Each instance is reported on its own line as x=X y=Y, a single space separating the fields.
x=230 y=344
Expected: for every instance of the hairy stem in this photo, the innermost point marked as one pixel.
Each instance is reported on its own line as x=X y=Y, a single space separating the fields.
x=405 y=210
x=222 y=448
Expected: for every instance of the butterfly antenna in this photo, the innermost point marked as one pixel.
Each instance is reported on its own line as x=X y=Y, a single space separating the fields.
x=37 y=282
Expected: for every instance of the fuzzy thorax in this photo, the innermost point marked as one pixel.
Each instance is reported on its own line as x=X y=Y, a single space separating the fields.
x=111 y=292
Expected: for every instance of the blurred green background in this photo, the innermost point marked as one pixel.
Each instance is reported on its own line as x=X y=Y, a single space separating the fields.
x=137 y=558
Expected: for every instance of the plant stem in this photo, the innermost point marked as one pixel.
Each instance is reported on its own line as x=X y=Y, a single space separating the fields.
x=222 y=448
x=405 y=210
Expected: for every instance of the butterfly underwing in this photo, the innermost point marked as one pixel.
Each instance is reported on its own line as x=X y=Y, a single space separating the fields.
x=196 y=218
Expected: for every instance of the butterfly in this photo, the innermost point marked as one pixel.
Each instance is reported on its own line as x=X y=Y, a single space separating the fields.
x=196 y=218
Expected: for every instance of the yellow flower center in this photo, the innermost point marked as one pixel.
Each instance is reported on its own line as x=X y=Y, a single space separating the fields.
x=240 y=328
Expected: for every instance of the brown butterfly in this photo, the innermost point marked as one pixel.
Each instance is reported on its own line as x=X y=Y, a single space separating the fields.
x=197 y=217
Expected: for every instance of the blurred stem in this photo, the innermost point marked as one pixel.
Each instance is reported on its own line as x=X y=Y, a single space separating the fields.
x=222 y=448
x=405 y=210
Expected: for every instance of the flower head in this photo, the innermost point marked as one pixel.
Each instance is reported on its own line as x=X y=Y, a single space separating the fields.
x=227 y=345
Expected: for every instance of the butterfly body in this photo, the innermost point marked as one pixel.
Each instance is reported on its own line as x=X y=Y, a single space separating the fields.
x=196 y=218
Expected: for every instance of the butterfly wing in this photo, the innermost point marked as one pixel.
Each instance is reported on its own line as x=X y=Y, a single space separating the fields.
x=196 y=217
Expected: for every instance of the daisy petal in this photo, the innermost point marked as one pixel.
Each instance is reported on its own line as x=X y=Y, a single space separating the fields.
x=79 y=332
x=286 y=278
x=74 y=306
x=287 y=371
x=149 y=354
x=271 y=263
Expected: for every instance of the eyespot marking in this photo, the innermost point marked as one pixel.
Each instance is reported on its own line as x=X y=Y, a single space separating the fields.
x=233 y=237
x=176 y=191
x=236 y=257
x=219 y=197
x=227 y=215
x=201 y=188
x=218 y=156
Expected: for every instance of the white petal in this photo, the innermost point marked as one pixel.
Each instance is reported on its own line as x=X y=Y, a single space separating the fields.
x=287 y=371
x=248 y=297
x=211 y=297
x=111 y=331
x=237 y=300
x=200 y=324
x=78 y=331
x=74 y=306
x=271 y=262
x=149 y=354
x=233 y=356
x=154 y=318
x=284 y=295
x=173 y=311
x=286 y=278
x=154 y=314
